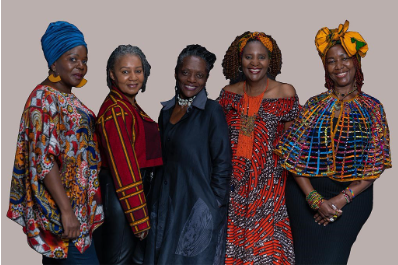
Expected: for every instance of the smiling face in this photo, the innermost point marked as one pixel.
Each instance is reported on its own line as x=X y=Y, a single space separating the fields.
x=71 y=67
x=255 y=61
x=340 y=67
x=191 y=76
x=128 y=75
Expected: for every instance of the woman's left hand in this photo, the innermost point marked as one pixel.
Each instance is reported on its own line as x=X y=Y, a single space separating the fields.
x=330 y=210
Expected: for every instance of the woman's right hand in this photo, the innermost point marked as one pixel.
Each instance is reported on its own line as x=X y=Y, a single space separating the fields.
x=142 y=235
x=329 y=209
x=71 y=225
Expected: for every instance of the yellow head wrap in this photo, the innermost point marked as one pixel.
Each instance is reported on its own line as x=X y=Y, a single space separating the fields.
x=256 y=36
x=352 y=42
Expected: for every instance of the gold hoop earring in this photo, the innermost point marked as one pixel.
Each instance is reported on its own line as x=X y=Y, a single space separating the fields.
x=54 y=79
x=82 y=83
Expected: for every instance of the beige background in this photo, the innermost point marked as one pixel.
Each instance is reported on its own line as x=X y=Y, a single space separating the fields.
x=162 y=29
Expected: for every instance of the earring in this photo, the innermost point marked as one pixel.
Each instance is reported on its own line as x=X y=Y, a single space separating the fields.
x=269 y=69
x=82 y=83
x=240 y=68
x=54 y=79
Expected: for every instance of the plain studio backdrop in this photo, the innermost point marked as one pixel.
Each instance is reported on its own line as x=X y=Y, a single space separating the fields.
x=162 y=29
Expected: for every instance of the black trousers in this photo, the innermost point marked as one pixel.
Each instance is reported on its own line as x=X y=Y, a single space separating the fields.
x=114 y=240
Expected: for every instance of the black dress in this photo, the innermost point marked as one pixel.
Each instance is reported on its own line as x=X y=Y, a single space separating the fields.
x=188 y=208
x=331 y=244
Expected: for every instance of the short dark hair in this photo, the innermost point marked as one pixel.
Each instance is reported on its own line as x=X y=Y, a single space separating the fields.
x=120 y=51
x=199 y=51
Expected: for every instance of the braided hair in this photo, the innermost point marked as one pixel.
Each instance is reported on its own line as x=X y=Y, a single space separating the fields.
x=329 y=84
x=120 y=51
x=198 y=51
x=232 y=60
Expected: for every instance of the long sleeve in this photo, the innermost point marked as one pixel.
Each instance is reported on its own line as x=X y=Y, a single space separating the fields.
x=221 y=155
x=118 y=146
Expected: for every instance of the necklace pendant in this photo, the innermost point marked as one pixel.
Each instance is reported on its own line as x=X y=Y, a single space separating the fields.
x=337 y=106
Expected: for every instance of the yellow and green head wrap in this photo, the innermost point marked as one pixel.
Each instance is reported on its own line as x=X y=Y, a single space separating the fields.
x=260 y=36
x=352 y=42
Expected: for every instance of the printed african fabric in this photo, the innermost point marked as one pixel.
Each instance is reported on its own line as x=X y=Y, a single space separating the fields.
x=258 y=225
x=357 y=148
x=130 y=141
x=55 y=128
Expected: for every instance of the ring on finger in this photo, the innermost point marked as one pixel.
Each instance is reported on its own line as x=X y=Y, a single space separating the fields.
x=334 y=207
x=331 y=219
x=335 y=216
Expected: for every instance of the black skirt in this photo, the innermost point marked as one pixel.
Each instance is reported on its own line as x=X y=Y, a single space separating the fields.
x=331 y=244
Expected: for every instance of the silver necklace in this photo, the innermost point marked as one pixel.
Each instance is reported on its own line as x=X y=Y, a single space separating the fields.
x=185 y=102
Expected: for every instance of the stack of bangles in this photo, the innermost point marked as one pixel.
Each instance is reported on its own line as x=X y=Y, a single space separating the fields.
x=347 y=197
x=314 y=199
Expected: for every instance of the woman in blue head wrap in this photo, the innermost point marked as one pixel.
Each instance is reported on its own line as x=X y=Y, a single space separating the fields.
x=55 y=192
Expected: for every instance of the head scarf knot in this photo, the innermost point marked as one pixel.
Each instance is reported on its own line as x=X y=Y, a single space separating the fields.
x=352 y=42
x=255 y=36
x=59 y=38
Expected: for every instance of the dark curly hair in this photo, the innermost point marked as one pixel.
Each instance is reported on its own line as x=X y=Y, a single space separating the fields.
x=232 y=60
x=120 y=51
x=329 y=84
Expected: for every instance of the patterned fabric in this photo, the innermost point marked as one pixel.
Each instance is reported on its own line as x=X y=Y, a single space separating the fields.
x=55 y=128
x=251 y=106
x=129 y=140
x=352 y=42
x=311 y=148
x=255 y=36
x=258 y=224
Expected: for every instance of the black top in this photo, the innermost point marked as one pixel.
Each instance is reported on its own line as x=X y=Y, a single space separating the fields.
x=188 y=213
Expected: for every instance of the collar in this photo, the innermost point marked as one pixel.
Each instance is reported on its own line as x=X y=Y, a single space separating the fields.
x=199 y=101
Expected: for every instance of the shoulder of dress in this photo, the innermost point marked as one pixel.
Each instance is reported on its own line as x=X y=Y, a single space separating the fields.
x=42 y=97
x=42 y=91
x=319 y=97
x=234 y=88
x=368 y=97
x=287 y=90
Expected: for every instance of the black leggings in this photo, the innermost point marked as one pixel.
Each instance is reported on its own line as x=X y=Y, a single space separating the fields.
x=114 y=240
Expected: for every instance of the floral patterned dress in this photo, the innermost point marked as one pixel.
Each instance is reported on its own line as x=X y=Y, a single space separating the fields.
x=258 y=225
x=55 y=128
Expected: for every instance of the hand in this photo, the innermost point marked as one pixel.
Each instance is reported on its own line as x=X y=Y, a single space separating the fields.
x=70 y=224
x=329 y=209
x=142 y=235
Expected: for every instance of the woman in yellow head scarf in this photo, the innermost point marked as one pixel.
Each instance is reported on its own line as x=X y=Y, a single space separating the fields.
x=335 y=149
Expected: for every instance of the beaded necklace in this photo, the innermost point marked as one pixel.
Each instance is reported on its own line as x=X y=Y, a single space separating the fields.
x=339 y=102
x=251 y=106
x=185 y=102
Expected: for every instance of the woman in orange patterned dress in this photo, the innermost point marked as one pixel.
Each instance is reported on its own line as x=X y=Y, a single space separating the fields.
x=258 y=109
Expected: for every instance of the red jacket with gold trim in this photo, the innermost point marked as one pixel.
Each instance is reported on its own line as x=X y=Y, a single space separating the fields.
x=129 y=141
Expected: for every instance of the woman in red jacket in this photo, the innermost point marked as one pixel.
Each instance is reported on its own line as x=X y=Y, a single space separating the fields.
x=130 y=146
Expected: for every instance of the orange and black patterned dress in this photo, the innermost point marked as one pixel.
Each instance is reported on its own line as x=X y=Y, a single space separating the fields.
x=258 y=225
